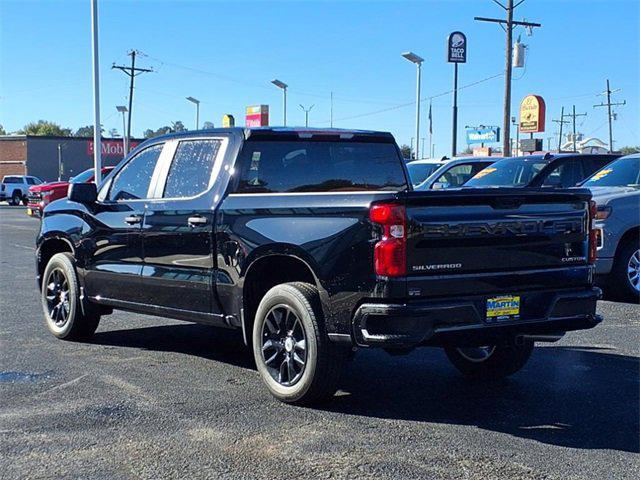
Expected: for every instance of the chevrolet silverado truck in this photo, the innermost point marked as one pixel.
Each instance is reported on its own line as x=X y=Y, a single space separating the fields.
x=313 y=243
x=41 y=195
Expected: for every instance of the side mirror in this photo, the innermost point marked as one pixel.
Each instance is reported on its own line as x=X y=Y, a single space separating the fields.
x=439 y=186
x=82 y=192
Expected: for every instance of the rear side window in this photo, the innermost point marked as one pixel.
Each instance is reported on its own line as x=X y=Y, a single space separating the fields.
x=190 y=171
x=565 y=175
x=300 y=166
x=132 y=182
x=12 y=180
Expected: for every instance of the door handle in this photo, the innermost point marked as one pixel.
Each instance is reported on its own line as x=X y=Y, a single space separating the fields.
x=133 y=219
x=198 y=220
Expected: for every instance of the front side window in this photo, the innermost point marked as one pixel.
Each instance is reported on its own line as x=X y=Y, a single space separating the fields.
x=319 y=166
x=132 y=182
x=190 y=171
x=31 y=181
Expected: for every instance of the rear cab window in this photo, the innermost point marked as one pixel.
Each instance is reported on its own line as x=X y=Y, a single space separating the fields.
x=273 y=166
x=190 y=173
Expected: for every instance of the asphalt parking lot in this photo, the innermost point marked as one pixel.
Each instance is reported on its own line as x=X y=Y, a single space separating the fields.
x=156 y=398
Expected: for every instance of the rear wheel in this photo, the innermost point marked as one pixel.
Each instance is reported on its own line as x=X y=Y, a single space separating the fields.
x=15 y=198
x=490 y=362
x=292 y=351
x=61 y=301
x=625 y=274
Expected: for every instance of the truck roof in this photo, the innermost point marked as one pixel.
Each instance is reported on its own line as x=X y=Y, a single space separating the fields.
x=284 y=133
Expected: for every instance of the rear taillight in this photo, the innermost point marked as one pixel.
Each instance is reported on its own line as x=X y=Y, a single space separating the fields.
x=593 y=240
x=389 y=255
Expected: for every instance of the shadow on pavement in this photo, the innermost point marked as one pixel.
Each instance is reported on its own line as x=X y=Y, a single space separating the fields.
x=578 y=397
x=191 y=339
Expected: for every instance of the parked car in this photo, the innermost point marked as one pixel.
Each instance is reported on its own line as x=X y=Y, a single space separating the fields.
x=14 y=188
x=313 y=243
x=455 y=173
x=419 y=170
x=549 y=170
x=616 y=190
x=40 y=196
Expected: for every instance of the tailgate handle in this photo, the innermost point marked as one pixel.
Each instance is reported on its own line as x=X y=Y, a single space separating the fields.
x=197 y=220
x=506 y=203
x=133 y=219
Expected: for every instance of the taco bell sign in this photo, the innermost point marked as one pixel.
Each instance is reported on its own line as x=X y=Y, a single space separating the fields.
x=457 y=48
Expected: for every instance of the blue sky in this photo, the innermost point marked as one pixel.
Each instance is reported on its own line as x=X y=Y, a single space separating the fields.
x=225 y=54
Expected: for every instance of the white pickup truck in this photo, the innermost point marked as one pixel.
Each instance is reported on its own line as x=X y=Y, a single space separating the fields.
x=14 y=188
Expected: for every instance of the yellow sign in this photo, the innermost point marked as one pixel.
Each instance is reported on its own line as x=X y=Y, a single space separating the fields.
x=228 y=121
x=532 y=114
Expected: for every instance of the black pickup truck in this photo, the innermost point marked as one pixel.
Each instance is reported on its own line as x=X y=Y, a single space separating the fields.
x=313 y=243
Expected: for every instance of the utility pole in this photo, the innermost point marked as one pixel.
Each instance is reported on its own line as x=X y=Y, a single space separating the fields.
x=562 y=121
x=97 y=137
x=306 y=114
x=507 y=25
x=331 y=112
x=609 y=105
x=574 y=115
x=132 y=72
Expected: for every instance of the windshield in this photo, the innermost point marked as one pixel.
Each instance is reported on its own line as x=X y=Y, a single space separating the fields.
x=624 y=172
x=83 y=177
x=510 y=172
x=420 y=171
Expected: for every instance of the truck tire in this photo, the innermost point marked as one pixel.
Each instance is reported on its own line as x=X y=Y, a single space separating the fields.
x=15 y=198
x=291 y=348
x=61 y=301
x=492 y=362
x=624 y=281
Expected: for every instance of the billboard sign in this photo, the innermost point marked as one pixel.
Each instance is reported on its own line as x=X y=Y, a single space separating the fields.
x=111 y=148
x=483 y=135
x=257 y=116
x=457 y=48
x=532 y=114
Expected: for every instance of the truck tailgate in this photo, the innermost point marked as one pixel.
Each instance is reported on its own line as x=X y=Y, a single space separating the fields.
x=471 y=233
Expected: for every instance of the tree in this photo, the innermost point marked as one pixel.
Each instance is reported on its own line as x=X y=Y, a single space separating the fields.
x=113 y=133
x=2 y=130
x=629 y=150
x=407 y=152
x=43 y=127
x=87 y=131
x=208 y=125
x=178 y=126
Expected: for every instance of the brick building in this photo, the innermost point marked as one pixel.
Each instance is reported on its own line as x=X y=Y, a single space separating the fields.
x=38 y=155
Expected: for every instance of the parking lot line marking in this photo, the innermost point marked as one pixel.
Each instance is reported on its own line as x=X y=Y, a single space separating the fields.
x=23 y=246
x=63 y=385
x=16 y=227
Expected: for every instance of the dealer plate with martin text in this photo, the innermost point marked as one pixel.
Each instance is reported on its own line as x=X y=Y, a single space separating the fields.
x=503 y=309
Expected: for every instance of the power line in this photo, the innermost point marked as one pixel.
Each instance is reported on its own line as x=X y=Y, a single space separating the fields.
x=507 y=25
x=561 y=121
x=609 y=104
x=132 y=72
x=573 y=117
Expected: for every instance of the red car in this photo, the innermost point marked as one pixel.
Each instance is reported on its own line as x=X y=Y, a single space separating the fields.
x=40 y=196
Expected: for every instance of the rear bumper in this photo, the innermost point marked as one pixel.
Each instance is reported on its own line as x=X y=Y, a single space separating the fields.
x=462 y=321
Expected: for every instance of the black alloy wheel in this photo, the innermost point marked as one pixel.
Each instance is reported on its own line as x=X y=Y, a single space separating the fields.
x=284 y=345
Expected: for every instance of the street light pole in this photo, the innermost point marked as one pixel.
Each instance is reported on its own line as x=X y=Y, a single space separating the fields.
x=413 y=58
x=97 y=147
x=283 y=86
x=125 y=139
x=197 y=104
x=306 y=114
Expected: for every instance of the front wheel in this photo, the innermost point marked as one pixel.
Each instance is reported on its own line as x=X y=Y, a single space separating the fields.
x=626 y=271
x=61 y=301
x=490 y=362
x=292 y=351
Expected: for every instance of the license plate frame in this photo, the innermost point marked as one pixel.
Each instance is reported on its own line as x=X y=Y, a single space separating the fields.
x=502 y=308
